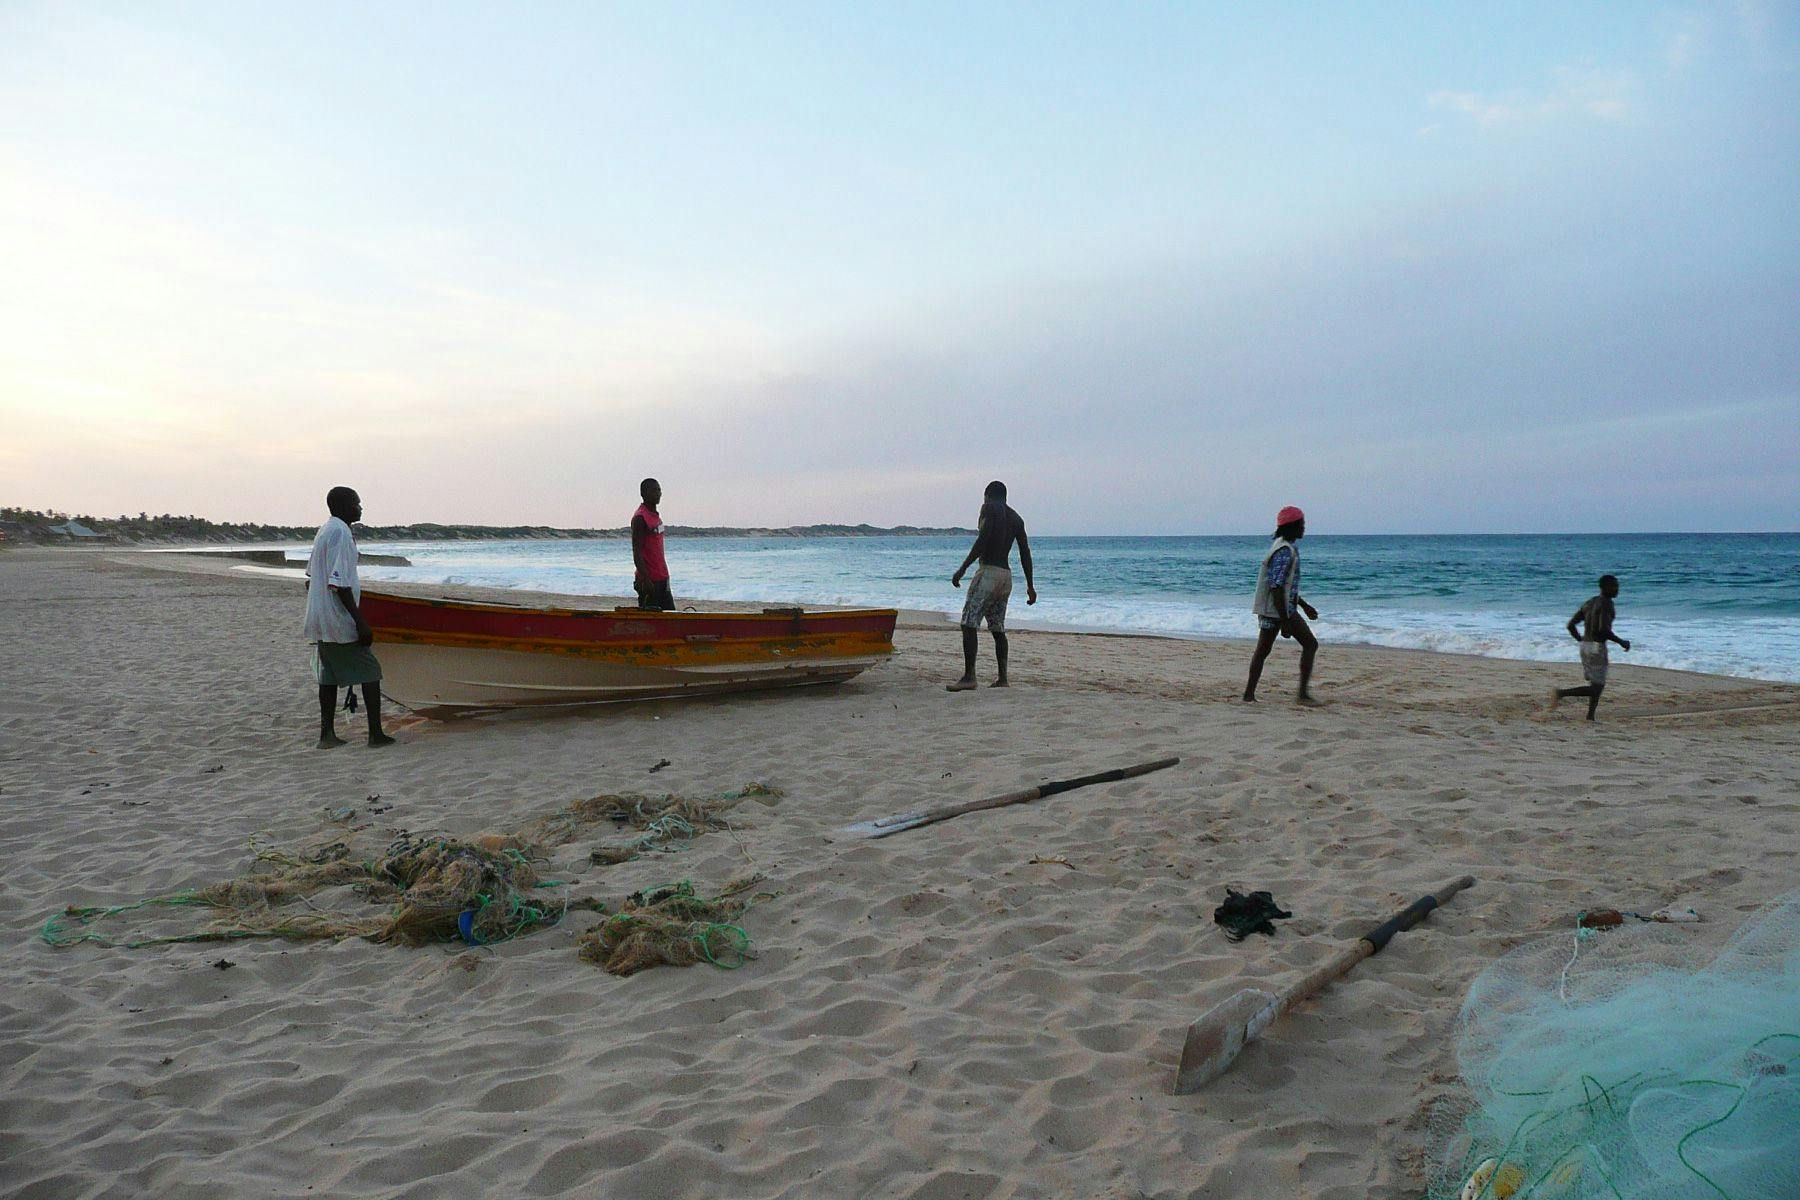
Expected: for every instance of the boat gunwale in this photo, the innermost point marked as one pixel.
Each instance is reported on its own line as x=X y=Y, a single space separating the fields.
x=880 y=644
x=787 y=615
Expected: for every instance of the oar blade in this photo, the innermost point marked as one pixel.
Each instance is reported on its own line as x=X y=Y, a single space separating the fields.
x=1213 y=1042
x=880 y=827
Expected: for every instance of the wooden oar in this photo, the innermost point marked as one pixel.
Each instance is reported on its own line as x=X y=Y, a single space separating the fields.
x=1213 y=1042
x=883 y=826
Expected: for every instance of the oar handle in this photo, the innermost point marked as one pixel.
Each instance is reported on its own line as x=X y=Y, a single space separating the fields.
x=1113 y=776
x=946 y=811
x=1413 y=913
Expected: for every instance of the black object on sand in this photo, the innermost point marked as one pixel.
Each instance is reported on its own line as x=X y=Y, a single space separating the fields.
x=1243 y=915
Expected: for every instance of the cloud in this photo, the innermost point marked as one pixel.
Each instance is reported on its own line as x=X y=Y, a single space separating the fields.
x=1598 y=95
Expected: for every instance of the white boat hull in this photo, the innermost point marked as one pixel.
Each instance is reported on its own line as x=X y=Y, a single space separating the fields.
x=442 y=680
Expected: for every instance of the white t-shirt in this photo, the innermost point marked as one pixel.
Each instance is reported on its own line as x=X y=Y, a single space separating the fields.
x=333 y=564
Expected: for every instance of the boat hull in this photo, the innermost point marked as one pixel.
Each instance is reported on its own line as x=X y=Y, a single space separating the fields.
x=442 y=657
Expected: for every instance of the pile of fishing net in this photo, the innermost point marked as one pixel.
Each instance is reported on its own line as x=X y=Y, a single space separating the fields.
x=666 y=823
x=1620 y=1064
x=674 y=926
x=436 y=889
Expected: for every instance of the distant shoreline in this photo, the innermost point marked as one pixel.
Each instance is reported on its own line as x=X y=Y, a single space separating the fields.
x=31 y=527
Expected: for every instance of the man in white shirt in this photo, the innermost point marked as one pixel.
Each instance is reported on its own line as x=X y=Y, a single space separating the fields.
x=334 y=622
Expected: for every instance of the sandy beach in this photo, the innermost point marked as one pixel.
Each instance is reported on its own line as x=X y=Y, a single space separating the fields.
x=986 y=1009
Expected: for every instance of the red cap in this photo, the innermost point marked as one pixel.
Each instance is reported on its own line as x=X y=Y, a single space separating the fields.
x=1288 y=516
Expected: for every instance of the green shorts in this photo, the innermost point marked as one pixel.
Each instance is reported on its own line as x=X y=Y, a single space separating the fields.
x=341 y=664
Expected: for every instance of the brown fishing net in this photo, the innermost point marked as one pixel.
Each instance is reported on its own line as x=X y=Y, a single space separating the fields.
x=665 y=822
x=438 y=888
x=673 y=925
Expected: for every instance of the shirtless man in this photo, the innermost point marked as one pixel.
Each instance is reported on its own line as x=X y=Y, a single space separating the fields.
x=1596 y=621
x=1278 y=604
x=991 y=587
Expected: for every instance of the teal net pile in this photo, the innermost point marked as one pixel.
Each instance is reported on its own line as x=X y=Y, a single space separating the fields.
x=1623 y=1065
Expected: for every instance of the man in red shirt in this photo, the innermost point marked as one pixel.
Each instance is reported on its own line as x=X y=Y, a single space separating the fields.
x=652 y=580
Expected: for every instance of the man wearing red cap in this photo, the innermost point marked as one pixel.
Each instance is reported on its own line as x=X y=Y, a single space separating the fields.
x=1278 y=604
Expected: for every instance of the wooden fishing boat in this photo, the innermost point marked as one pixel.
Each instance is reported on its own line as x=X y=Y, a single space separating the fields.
x=441 y=657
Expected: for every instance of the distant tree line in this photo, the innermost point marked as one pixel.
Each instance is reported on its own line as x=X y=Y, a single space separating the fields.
x=27 y=524
x=35 y=526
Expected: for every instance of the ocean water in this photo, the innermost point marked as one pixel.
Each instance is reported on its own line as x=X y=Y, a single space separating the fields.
x=1724 y=603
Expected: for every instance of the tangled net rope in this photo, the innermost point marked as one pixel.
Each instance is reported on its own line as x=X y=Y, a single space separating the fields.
x=478 y=890
x=1630 y=1071
x=668 y=825
x=667 y=822
x=437 y=889
x=675 y=926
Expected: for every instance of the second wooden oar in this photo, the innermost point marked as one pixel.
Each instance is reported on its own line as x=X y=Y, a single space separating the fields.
x=1213 y=1042
x=883 y=826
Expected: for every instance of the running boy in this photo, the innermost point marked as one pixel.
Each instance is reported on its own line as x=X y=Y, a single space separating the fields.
x=1596 y=621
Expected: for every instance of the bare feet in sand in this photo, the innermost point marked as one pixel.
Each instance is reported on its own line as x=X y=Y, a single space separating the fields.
x=331 y=741
x=1000 y=682
x=1307 y=701
x=380 y=739
x=965 y=684
x=1555 y=699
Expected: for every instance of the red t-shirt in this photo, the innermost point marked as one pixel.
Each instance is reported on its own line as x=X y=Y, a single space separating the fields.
x=647 y=539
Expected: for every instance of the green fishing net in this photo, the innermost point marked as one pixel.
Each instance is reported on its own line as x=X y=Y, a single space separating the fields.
x=438 y=888
x=1624 y=1065
x=676 y=926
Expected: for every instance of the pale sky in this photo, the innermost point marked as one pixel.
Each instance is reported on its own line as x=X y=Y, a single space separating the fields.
x=1163 y=268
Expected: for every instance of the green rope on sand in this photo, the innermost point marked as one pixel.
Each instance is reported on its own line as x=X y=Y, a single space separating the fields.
x=736 y=944
x=52 y=932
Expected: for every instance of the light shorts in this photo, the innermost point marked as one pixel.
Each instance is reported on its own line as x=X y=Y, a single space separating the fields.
x=1302 y=630
x=989 y=590
x=1594 y=661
